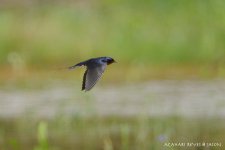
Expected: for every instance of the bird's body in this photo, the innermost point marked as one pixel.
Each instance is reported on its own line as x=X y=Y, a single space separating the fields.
x=95 y=68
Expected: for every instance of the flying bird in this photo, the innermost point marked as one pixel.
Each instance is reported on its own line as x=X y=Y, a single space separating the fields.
x=94 y=70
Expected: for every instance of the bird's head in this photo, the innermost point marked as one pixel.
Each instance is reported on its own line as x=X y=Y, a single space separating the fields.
x=108 y=60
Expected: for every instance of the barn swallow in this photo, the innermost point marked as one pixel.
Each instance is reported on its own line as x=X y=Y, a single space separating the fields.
x=94 y=70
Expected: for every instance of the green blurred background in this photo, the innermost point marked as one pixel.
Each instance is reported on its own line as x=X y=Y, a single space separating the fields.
x=150 y=40
x=153 y=34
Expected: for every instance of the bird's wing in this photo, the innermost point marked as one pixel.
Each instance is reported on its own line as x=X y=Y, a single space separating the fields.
x=91 y=76
x=84 y=80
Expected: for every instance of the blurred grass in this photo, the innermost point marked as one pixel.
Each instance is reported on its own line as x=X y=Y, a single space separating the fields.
x=149 y=38
x=108 y=133
x=156 y=33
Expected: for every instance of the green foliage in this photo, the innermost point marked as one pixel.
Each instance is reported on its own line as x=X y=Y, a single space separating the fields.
x=151 y=32
x=42 y=136
x=109 y=133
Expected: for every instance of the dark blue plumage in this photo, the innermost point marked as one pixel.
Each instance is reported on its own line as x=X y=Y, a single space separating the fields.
x=95 y=68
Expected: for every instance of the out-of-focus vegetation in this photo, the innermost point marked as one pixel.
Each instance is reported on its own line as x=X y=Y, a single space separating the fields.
x=140 y=33
x=110 y=133
x=148 y=39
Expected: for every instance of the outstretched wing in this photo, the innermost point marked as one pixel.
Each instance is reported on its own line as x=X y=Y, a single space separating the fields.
x=91 y=77
x=84 y=80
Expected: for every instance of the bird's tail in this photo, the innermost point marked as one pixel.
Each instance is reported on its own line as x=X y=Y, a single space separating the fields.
x=77 y=65
x=72 y=67
x=67 y=68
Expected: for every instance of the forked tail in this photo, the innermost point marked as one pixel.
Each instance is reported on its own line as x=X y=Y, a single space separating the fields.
x=77 y=65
